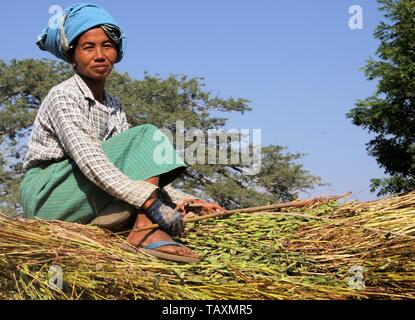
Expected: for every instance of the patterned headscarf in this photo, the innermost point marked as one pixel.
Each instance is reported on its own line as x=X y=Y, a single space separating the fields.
x=73 y=22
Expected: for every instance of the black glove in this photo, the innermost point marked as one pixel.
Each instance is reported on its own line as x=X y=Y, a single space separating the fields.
x=167 y=218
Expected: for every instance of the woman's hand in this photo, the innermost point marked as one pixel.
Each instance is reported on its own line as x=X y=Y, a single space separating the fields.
x=211 y=207
x=186 y=205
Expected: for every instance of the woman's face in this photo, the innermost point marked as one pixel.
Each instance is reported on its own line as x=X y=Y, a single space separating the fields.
x=94 y=55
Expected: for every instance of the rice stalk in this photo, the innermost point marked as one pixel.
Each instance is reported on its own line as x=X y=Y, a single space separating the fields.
x=244 y=256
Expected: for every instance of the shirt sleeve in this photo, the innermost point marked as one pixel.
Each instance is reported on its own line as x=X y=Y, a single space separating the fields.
x=79 y=141
x=124 y=123
x=174 y=195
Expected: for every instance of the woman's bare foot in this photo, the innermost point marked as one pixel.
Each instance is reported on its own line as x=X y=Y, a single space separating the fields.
x=143 y=238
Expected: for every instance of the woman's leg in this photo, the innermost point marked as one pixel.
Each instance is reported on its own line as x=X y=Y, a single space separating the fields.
x=143 y=238
x=60 y=191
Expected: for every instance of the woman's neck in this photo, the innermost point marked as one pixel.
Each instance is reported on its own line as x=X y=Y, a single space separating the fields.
x=97 y=87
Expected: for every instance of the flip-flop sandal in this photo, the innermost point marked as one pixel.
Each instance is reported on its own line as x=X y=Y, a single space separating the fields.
x=149 y=249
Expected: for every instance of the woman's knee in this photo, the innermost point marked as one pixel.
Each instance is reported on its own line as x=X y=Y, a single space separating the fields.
x=145 y=128
x=149 y=132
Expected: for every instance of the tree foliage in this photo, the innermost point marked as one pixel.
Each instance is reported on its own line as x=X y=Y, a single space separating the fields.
x=390 y=112
x=23 y=85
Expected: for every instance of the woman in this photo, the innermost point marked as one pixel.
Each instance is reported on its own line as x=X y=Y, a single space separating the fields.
x=83 y=163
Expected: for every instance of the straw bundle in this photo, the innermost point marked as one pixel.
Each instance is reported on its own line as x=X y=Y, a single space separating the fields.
x=244 y=256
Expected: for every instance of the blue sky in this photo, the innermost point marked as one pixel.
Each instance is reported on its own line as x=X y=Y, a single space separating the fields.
x=297 y=61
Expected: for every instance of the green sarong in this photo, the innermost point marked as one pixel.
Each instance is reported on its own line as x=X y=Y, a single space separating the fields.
x=60 y=191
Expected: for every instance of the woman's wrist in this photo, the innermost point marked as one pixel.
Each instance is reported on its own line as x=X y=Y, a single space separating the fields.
x=150 y=201
x=166 y=217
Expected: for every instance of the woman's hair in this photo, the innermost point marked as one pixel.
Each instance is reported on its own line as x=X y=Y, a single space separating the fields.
x=71 y=52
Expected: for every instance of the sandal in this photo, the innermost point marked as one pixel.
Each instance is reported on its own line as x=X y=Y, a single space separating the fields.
x=149 y=249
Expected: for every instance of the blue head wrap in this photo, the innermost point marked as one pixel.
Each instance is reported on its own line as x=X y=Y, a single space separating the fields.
x=74 y=21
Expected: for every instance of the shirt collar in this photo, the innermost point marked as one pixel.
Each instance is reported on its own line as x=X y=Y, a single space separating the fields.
x=86 y=91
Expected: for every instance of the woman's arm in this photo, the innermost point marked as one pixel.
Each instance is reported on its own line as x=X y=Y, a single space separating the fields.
x=176 y=196
x=80 y=142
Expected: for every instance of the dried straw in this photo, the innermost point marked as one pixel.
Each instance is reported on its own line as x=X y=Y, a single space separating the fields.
x=244 y=256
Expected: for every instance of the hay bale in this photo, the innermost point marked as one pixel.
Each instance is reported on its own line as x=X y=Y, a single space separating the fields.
x=244 y=256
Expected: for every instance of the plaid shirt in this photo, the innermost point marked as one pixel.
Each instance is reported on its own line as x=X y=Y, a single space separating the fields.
x=71 y=123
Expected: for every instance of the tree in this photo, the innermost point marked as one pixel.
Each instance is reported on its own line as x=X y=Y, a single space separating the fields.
x=152 y=100
x=23 y=84
x=390 y=112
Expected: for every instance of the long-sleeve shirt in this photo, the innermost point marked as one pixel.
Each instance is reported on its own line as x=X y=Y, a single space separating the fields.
x=72 y=123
